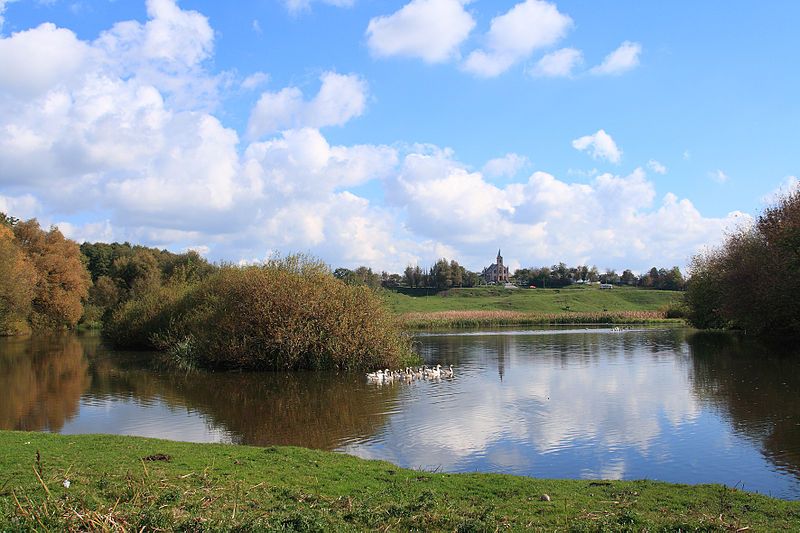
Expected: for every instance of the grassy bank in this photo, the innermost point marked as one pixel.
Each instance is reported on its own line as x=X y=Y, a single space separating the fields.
x=494 y=306
x=134 y=483
x=543 y=301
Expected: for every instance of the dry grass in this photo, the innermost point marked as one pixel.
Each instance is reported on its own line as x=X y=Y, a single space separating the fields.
x=466 y=319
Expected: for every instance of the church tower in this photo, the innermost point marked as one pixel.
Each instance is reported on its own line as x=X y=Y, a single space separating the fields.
x=501 y=270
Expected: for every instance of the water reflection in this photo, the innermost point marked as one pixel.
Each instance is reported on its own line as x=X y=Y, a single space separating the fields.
x=660 y=404
x=756 y=386
x=41 y=382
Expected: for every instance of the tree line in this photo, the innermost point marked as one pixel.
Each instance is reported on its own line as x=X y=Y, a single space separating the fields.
x=446 y=274
x=49 y=281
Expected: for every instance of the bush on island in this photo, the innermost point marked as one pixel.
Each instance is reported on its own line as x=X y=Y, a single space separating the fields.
x=290 y=313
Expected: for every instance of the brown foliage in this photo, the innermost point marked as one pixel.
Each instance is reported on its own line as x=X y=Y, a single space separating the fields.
x=18 y=280
x=63 y=282
x=753 y=281
x=285 y=315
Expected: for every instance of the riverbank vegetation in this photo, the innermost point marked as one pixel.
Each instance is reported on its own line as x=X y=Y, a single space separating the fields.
x=286 y=314
x=94 y=482
x=482 y=319
x=751 y=282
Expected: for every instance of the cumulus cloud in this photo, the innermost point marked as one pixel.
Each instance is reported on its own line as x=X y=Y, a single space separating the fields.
x=117 y=126
x=599 y=145
x=656 y=167
x=621 y=60
x=431 y=30
x=302 y=161
x=340 y=98
x=558 y=64
x=33 y=61
x=514 y=35
x=506 y=166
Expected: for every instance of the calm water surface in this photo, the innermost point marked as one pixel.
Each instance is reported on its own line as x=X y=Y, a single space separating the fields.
x=657 y=404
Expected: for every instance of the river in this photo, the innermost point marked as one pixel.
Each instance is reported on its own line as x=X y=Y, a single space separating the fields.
x=665 y=404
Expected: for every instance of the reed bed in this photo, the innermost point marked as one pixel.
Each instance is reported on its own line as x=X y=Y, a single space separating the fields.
x=471 y=319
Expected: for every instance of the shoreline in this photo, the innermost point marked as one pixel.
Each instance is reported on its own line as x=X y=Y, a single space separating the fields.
x=119 y=482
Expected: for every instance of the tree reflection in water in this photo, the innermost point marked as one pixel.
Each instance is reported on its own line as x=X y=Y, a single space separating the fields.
x=756 y=386
x=312 y=409
x=41 y=381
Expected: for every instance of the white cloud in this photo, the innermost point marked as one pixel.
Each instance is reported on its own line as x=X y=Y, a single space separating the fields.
x=656 y=167
x=91 y=232
x=255 y=80
x=431 y=30
x=340 y=98
x=558 y=64
x=120 y=127
x=506 y=166
x=514 y=35
x=22 y=207
x=301 y=162
x=35 y=60
x=719 y=176
x=256 y=25
x=621 y=60
x=168 y=52
x=296 y=6
x=599 y=145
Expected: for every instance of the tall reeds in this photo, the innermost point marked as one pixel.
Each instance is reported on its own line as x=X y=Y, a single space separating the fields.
x=470 y=319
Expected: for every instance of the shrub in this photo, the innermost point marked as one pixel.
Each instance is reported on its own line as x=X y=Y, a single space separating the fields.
x=751 y=282
x=288 y=314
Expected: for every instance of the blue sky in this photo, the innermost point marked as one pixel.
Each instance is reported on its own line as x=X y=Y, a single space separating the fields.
x=623 y=134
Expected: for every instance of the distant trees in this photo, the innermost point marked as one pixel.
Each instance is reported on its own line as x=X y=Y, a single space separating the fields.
x=752 y=281
x=122 y=272
x=561 y=275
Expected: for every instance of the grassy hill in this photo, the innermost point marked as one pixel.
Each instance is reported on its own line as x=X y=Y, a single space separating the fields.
x=567 y=300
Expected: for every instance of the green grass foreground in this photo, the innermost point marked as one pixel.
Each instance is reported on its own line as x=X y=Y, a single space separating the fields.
x=128 y=483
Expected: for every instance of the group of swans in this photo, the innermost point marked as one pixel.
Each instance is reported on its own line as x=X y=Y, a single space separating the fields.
x=410 y=374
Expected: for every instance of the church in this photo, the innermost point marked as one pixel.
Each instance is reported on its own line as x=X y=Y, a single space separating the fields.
x=497 y=272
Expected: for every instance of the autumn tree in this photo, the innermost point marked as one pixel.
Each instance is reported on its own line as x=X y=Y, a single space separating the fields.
x=62 y=282
x=752 y=281
x=18 y=279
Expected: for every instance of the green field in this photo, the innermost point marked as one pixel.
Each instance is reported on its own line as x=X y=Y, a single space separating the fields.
x=134 y=484
x=572 y=299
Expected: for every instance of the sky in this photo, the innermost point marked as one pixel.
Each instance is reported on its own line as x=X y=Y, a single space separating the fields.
x=387 y=133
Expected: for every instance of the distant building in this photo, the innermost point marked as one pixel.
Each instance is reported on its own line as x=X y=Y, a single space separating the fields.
x=497 y=272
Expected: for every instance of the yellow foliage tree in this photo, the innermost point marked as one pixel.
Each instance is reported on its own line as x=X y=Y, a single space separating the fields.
x=18 y=279
x=63 y=281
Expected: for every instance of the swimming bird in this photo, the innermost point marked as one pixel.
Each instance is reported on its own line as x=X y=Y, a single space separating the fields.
x=448 y=372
